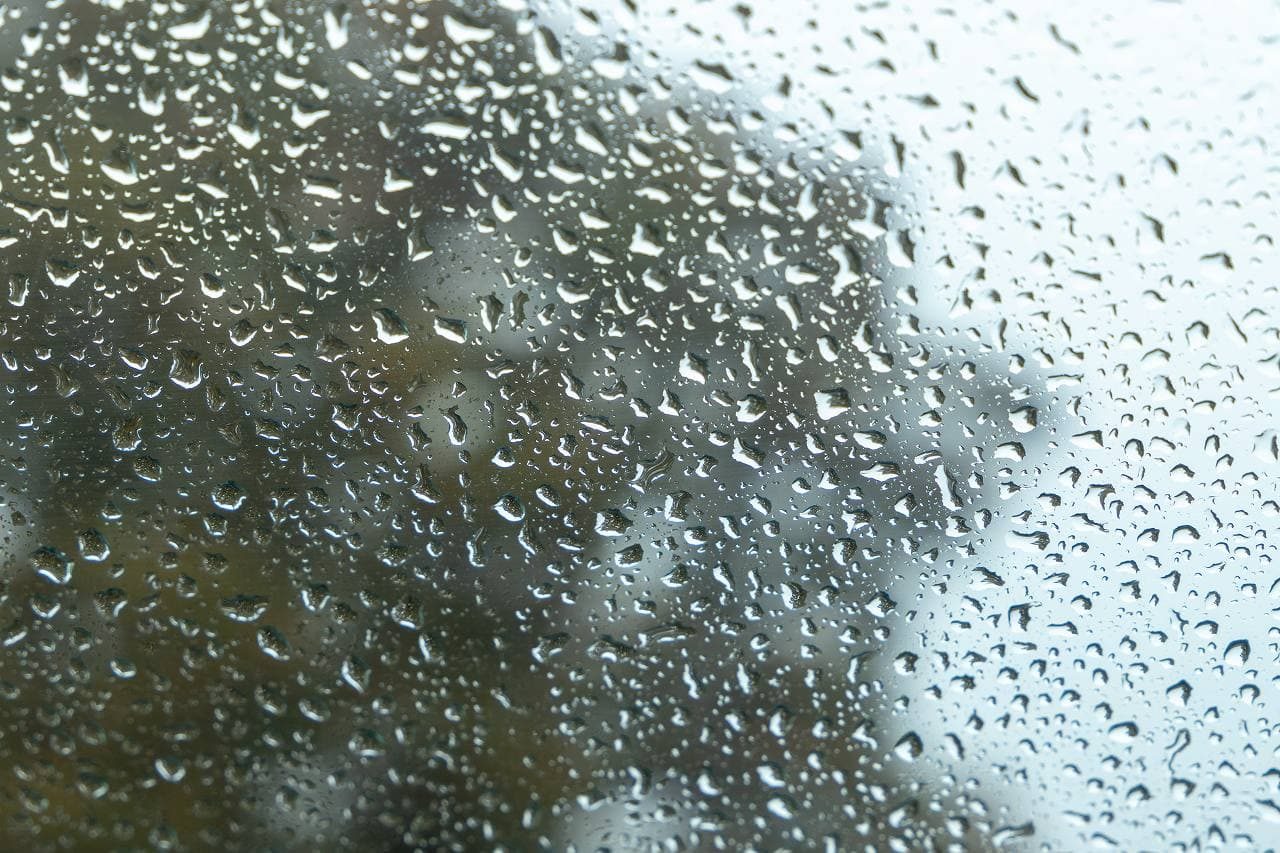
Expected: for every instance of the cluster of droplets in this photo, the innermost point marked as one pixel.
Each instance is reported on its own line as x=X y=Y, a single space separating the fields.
x=451 y=425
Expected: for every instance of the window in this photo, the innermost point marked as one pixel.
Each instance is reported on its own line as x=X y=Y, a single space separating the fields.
x=679 y=426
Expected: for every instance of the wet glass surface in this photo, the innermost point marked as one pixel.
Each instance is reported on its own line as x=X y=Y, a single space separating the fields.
x=523 y=425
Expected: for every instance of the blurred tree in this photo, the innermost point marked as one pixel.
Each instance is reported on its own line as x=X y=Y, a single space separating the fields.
x=497 y=442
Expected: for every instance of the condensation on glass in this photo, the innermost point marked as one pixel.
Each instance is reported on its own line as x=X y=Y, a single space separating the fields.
x=709 y=425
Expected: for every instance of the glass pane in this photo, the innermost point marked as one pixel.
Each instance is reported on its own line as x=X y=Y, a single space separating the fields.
x=709 y=425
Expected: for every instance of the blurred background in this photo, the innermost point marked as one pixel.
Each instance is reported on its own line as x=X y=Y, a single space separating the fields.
x=527 y=425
